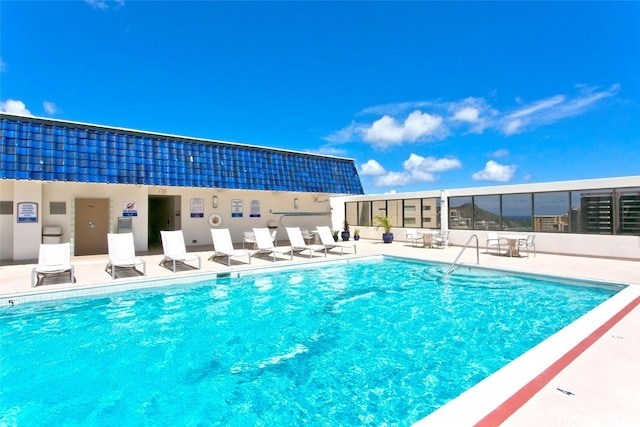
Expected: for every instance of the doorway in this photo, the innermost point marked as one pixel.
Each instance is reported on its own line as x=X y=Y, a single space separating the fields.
x=164 y=214
x=91 y=226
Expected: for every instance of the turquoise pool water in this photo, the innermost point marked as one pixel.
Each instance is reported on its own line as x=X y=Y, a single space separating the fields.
x=366 y=343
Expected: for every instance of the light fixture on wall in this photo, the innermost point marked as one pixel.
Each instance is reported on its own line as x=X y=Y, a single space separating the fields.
x=295 y=203
x=215 y=201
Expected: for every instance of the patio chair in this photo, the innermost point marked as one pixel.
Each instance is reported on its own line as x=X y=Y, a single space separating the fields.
x=174 y=249
x=326 y=238
x=53 y=259
x=223 y=246
x=122 y=254
x=495 y=241
x=264 y=241
x=308 y=236
x=298 y=244
x=528 y=243
x=249 y=237
x=414 y=236
x=441 y=240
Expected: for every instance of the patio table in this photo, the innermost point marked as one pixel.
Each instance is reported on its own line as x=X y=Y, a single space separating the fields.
x=513 y=243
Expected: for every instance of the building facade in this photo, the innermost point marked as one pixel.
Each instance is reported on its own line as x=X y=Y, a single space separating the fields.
x=595 y=217
x=87 y=180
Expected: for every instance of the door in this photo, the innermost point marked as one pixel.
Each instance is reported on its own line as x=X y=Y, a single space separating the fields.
x=164 y=214
x=91 y=226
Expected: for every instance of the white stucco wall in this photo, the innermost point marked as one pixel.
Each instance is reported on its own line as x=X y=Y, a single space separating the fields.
x=272 y=205
x=27 y=236
x=21 y=241
x=6 y=221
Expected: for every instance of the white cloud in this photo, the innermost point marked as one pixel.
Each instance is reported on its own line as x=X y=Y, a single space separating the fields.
x=387 y=131
x=50 y=107
x=416 y=169
x=537 y=106
x=427 y=121
x=3 y=66
x=553 y=109
x=502 y=152
x=348 y=134
x=13 y=106
x=512 y=126
x=105 y=4
x=393 y=179
x=372 y=168
x=494 y=171
x=467 y=114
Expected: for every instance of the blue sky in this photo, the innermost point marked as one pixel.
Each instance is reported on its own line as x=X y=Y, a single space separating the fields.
x=423 y=95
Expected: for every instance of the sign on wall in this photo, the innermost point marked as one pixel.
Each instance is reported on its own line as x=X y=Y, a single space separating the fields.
x=129 y=209
x=27 y=212
x=197 y=208
x=236 y=208
x=255 y=209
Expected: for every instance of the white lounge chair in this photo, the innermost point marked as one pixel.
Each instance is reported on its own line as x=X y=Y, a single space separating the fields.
x=249 y=237
x=326 y=237
x=223 y=246
x=414 y=236
x=174 y=249
x=265 y=244
x=528 y=243
x=298 y=244
x=53 y=259
x=122 y=253
x=495 y=241
x=442 y=239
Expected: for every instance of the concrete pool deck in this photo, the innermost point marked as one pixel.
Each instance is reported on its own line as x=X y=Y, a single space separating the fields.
x=585 y=375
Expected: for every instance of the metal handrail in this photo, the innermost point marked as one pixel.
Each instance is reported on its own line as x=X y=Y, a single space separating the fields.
x=461 y=251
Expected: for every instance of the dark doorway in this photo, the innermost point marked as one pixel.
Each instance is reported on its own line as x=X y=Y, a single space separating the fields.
x=164 y=214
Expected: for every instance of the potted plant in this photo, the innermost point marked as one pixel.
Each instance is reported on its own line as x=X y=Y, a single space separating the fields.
x=356 y=234
x=345 y=231
x=335 y=235
x=384 y=222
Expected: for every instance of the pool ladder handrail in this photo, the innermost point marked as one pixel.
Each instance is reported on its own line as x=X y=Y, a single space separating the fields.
x=461 y=251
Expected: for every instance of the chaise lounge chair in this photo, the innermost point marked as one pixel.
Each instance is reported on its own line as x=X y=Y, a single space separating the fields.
x=327 y=240
x=265 y=244
x=53 y=259
x=174 y=249
x=122 y=254
x=298 y=244
x=223 y=246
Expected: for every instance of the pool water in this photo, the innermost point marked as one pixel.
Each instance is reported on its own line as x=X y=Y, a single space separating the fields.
x=365 y=343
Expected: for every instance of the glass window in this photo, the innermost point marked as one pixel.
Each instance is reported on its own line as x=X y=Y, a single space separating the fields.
x=551 y=212
x=411 y=212
x=378 y=208
x=486 y=212
x=593 y=211
x=431 y=212
x=394 y=212
x=460 y=212
x=351 y=212
x=629 y=211
x=364 y=213
x=516 y=212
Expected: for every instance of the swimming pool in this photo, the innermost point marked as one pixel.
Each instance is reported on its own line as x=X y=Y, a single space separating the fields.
x=365 y=343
